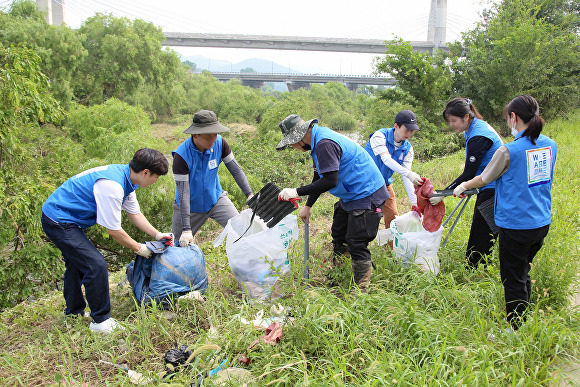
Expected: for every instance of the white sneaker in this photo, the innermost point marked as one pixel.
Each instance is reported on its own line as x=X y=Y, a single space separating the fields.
x=107 y=326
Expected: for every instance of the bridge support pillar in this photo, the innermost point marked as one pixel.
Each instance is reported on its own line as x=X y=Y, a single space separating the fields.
x=352 y=86
x=295 y=85
x=55 y=10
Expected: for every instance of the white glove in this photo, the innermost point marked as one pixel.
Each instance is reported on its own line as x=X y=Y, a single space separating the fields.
x=144 y=251
x=435 y=200
x=186 y=238
x=166 y=236
x=459 y=190
x=415 y=178
x=288 y=193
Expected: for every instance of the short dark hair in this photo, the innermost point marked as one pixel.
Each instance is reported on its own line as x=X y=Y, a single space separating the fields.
x=151 y=159
x=459 y=107
x=526 y=107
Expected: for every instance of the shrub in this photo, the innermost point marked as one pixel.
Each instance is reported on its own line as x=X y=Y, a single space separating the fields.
x=343 y=121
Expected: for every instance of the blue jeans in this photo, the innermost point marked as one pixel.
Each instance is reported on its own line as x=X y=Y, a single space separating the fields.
x=84 y=265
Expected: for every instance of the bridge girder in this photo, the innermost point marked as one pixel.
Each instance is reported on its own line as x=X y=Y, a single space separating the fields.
x=270 y=42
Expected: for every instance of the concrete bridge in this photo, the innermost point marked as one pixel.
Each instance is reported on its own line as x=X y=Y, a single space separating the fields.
x=437 y=27
x=271 y=42
x=296 y=81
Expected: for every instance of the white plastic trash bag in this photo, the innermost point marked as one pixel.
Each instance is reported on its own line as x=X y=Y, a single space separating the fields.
x=384 y=236
x=413 y=244
x=260 y=257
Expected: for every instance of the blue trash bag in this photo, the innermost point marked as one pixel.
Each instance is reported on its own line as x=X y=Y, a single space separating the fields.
x=170 y=272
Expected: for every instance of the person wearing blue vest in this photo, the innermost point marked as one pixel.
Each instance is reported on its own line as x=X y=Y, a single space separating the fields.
x=392 y=152
x=97 y=196
x=346 y=170
x=524 y=172
x=199 y=195
x=481 y=142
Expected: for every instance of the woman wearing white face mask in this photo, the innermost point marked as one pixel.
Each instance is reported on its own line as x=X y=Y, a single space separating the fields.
x=523 y=171
x=481 y=142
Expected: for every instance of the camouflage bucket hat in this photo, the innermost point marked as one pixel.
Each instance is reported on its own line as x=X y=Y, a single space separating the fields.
x=293 y=129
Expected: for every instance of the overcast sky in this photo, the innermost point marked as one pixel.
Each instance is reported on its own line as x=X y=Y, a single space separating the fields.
x=370 y=19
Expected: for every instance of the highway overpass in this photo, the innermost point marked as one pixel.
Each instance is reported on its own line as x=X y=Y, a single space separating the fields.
x=295 y=81
x=271 y=42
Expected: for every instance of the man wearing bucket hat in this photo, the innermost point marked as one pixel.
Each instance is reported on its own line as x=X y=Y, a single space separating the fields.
x=392 y=152
x=199 y=195
x=347 y=171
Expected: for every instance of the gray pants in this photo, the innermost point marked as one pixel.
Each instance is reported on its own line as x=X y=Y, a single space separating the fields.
x=221 y=212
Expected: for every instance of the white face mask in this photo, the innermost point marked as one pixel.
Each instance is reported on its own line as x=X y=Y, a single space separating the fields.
x=514 y=130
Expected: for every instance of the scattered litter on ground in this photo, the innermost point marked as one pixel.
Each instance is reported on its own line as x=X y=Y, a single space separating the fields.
x=176 y=357
x=260 y=322
x=123 y=345
x=273 y=335
x=134 y=376
x=168 y=315
x=195 y=295
x=239 y=376
x=212 y=332
x=244 y=359
x=278 y=310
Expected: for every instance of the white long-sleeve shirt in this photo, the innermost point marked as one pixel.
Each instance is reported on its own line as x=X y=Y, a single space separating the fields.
x=379 y=147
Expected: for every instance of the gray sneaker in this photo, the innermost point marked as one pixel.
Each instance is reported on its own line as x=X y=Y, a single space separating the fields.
x=107 y=326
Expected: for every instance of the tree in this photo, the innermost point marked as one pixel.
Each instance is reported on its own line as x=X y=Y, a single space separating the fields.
x=238 y=103
x=25 y=98
x=122 y=56
x=191 y=66
x=26 y=172
x=426 y=78
x=522 y=47
x=59 y=48
x=248 y=70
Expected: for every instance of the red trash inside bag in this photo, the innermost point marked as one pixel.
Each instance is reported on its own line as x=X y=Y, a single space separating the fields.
x=432 y=214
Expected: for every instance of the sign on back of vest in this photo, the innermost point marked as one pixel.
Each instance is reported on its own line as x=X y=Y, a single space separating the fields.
x=539 y=166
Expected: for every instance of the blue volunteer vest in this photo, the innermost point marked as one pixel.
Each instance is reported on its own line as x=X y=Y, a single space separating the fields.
x=74 y=201
x=481 y=128
x=358 y=176
x=523 y=199
x=398 y=155
x=204 y=183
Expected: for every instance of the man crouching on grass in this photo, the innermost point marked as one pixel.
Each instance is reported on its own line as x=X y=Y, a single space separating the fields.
x=97 y=196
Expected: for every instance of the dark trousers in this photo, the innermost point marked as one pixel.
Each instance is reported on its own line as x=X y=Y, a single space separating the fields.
x=517 y=249
x=352 y=231
x=84 y=265
x=481 y=238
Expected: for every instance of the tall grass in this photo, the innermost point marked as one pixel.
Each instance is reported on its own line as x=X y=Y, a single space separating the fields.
x=411 y=329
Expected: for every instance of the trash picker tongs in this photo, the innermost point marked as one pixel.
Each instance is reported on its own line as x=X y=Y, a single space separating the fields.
x=464 y=200
x=306 y=252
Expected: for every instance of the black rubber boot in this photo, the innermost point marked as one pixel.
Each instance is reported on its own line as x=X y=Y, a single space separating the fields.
x=362 y=271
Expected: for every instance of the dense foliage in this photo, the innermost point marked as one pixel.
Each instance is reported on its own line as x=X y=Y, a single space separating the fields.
x=25 y=101
x=72 y=100
x=520 y=47
x=112 y=77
